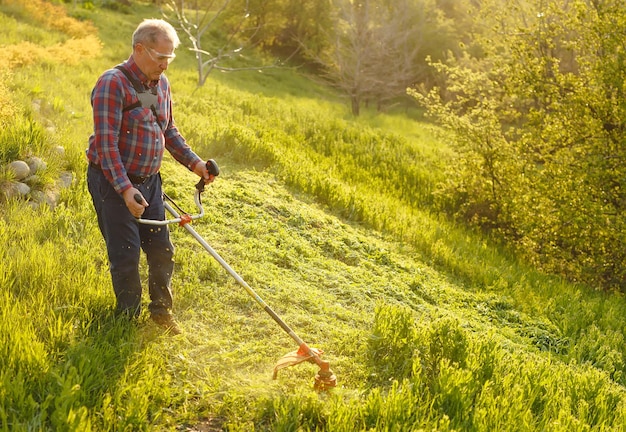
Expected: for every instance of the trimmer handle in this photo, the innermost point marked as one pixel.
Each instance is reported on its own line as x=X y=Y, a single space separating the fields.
x=213 y=170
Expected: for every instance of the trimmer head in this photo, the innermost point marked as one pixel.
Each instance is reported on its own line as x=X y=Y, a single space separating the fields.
x=324 y=379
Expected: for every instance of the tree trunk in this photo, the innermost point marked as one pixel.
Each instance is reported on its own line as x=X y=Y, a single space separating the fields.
x=356 y=105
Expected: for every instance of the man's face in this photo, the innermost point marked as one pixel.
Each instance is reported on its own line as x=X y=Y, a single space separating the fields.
x=153 y=59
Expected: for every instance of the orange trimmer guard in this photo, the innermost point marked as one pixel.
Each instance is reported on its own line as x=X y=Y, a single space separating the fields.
x=296 y=357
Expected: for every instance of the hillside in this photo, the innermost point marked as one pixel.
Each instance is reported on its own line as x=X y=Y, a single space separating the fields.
x=426 y=325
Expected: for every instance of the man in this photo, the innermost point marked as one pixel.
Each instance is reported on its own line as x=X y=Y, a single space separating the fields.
x=132 y=127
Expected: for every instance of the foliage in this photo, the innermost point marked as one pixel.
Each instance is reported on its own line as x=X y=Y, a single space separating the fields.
x=8 y=107
x=58 y=38
x=21 y=138
x=71 y=52
x=371 y=51
x=50 y=16
x=539 y=135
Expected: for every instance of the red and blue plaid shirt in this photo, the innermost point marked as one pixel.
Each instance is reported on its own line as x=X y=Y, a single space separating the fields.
x=132 y=142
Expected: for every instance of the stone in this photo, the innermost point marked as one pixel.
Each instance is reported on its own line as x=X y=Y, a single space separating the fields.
x=40 y=198
x=52 y=198
x=20 y=169
x=22 y=189
x=36 y=164
x=59 y=150
x=65 y=179
x=32 y=180
x=11 y=190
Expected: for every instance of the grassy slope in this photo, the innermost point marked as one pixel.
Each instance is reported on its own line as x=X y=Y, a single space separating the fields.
x=71 y=364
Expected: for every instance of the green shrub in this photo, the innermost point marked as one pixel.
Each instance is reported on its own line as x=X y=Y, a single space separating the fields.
x=391 y=344
x=8 y=107
x=21 y=138
x=443 y=341
x=603 y=350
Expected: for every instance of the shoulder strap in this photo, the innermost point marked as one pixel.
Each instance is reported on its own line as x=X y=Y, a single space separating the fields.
x=145 y=98
x=136 y=85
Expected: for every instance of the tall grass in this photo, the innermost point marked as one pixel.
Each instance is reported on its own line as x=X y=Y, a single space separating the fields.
x=428 y=326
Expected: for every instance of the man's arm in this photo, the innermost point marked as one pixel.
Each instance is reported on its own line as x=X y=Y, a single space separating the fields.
x=107 y=100
x=174 y=141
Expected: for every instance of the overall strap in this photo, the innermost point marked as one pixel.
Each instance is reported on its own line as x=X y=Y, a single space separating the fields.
x=146 y=98
x=136 y=85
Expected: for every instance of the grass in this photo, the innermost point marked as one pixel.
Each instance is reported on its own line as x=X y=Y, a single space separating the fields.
x=427 y=325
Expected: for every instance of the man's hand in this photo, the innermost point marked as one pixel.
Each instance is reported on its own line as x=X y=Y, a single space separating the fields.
x=201 y=170
x=135 y=208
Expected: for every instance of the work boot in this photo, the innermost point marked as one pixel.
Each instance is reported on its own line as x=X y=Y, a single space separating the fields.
x=167 y=321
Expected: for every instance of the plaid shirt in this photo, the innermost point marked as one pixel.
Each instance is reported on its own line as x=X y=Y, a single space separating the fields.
x=132 y=142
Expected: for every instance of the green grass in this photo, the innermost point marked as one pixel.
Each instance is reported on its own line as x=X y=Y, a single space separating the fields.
x=427 y=325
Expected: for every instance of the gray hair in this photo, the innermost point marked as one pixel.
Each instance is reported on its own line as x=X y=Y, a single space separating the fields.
x=150 y=30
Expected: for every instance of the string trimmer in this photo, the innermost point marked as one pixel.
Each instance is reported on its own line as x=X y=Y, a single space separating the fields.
x=325 y=378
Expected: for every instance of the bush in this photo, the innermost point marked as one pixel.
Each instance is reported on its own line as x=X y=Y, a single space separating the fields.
x=391 y=344
x=8 y=108
x=20 y=138
x=51 y=16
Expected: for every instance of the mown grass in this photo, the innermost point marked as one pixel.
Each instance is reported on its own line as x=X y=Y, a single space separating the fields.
x=427 y=326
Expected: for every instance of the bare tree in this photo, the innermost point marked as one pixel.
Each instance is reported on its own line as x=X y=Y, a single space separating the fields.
x=374 y=49
x=397 y=53
x=208 y=15
x=348 y=60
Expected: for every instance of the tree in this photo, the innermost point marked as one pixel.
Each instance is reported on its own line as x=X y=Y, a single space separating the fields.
x=539 y=128
x=346 y=65
x=376 y=48
x=398 y=53
x=302 y=23
x=209 y=15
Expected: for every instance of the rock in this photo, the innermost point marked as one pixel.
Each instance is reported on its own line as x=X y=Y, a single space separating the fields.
x=7 y=191
x=65 y=179
x=36 y=164
x=11 y=190
x=25 y=182
x=37 y=199
x=59 y=150
x=52 y=198
x=32 y=180
x=22 y=189
x=20 y=169
x=40 y=198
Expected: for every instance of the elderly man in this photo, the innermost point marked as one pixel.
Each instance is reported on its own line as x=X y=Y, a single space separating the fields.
x=133 y=125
